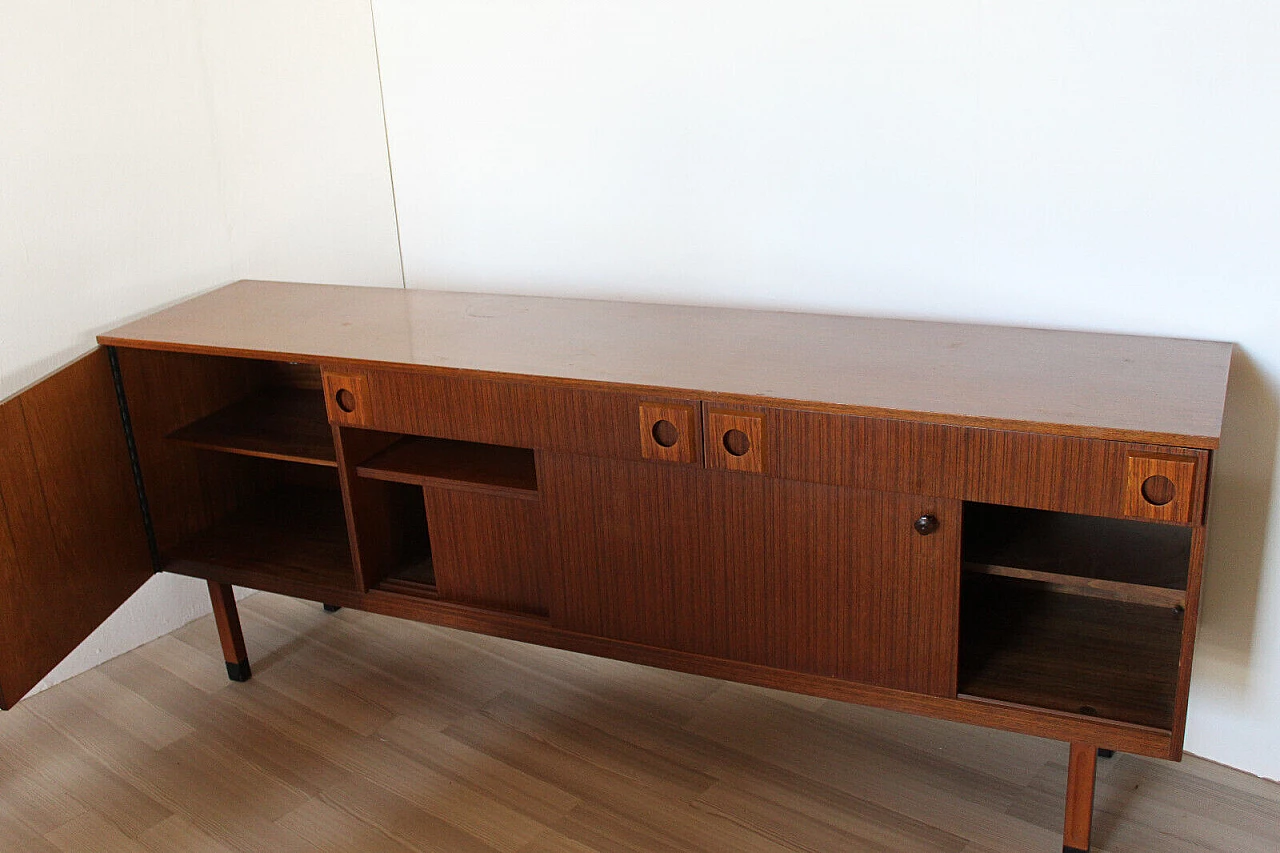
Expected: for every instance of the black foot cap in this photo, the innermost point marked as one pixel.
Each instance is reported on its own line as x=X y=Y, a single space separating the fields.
x=1066 y=849
x=238 y=671
x=332 y=608
x=1106 y=753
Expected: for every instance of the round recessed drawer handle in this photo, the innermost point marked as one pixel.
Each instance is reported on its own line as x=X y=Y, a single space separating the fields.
x=665 y=433
x=926 y=524
x=1158 y=490
x=345 y=400
x=737 y=442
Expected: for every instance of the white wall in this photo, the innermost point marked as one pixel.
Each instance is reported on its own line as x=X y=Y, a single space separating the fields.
x=298 y=118
x=109 y=207
x=152 y=149
x=1094 y=165
x=1079 y=164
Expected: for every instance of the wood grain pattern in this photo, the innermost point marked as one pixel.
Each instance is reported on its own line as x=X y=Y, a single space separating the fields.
x=72 y=543
x=288 y=424
x=165 y=755
x=461 y=465
x=790 y=575
x=1060 y=473
x=684 y=444
x=1176 y=473
x=1156 y=596
x=487 y=550
x=346 y=398
x=189 y=488
x=1078 y=820
x=867 y=453
x=1130 y=388
x=378 y=519
x=735 y=439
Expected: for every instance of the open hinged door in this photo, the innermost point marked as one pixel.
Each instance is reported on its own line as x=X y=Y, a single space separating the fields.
x=73 y=545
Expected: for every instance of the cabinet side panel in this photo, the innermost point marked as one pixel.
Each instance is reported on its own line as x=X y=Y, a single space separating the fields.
x=75 y=545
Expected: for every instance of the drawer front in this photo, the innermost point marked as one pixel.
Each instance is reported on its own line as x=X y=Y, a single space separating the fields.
x=1086 y=476
x=517 y=414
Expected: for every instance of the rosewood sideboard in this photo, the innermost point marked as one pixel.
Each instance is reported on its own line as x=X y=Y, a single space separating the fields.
x=999 y=526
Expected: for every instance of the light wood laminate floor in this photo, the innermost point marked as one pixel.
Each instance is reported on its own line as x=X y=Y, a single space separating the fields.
x=365 y=733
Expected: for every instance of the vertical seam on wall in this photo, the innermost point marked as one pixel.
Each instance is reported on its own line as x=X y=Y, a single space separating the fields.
x=386 y=136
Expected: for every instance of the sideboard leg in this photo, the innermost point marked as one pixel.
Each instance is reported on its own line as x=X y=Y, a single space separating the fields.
x=332 y=608
x=1081 y=773
x=228 y=620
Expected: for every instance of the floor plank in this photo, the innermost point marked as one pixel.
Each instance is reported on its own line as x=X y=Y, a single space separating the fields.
x=365 y=733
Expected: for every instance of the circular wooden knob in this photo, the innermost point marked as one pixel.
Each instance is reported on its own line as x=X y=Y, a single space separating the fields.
x=926 y=524
x=345 y=400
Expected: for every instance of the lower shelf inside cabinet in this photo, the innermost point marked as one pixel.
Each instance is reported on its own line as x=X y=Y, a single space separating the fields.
x=292 y=533
x=1021 y=642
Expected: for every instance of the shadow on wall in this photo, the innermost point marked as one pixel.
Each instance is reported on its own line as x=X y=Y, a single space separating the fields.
x=1240 y=508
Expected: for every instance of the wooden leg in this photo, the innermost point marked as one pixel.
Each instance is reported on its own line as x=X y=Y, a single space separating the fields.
x=228 y=619
x=1081 y=773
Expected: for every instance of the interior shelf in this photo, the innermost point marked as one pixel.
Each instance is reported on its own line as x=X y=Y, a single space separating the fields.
x=1129 y=561
x=464 y=465
x=295 y=533
x=1023 y=643
x=274 y=423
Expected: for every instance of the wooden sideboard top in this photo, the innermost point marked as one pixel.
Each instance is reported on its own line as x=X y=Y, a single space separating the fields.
x=1160 y=390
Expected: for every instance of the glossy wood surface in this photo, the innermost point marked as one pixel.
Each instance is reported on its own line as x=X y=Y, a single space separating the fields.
x=72 y=543
x=798 y=576
x=1113 y=386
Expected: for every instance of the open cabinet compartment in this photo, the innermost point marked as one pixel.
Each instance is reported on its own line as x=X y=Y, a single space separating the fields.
x=239 y=466
x=448 y=519
x=1073 y=613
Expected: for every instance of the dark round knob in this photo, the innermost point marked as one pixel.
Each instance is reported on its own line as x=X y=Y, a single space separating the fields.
x=926 y=524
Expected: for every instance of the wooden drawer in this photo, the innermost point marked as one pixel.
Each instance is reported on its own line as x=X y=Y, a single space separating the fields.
x=1086 y=476
x=513 y=413
x=841 y=450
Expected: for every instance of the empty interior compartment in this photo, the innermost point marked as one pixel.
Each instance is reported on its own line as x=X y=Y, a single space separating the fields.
x=454 y=520
x=1136 y=561
x=1022 y=642
x=1073 y=613
x=238 y=463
